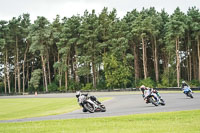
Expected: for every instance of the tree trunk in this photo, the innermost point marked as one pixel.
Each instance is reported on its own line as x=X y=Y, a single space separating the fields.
x=18 y=67
x=156 y=60
x=7 y=71
x=59 y=72
x=88 y=76
x=144 y=57
x=136 y=61
x=189 y=59
x=24 y=67
x=5 y=81
x=190 y=66
x=49 y=71
x=94 y=74
x=194 y=61
x=75 y=66
x=198 y=48
x=54 y=70
x=27 y=75
x=15 y=74
x=44 y=72
x=177 y=60
x=66 y=74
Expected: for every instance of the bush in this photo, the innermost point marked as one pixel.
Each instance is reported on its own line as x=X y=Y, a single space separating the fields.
x=147 y=82
x=31 y=88
x=52 y=87
x=72 y=85
x=35 y=78
x=1 y=87
x=62 y=88
x=194 y=83
x=101 y=85
x=88 y=86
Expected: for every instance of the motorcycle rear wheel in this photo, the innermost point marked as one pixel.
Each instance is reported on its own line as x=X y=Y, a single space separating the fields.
x=103 y=108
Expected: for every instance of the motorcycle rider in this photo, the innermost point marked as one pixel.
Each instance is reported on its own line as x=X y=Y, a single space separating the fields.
x=142 y=88
x=147 y=91
x=185 y=86
x=93 y=98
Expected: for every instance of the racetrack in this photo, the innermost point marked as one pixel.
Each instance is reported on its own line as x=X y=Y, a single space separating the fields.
x=121 y=104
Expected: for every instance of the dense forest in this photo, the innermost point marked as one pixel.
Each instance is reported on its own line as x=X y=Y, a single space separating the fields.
x=100 y=51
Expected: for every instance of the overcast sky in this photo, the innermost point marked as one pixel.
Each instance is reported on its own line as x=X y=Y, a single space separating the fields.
x=67 y=8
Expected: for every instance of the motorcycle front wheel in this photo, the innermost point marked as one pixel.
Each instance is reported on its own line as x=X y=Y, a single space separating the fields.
x=190 y=95
x=153 y=101
x=89 y=107
x=162 y=102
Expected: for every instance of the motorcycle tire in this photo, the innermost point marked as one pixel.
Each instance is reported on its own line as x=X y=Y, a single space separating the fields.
x=162 y=102
x=153 y=101
x=103 y=108
x=84 y=110
x=190 y=95
x=89 y=107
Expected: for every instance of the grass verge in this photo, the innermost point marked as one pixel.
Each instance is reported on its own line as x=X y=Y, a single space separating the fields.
x=34 y=107
x=168 y=122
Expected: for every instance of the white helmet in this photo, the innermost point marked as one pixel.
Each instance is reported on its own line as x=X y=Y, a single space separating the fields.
x=78 y=93
x=142 y=86
x=183 y=82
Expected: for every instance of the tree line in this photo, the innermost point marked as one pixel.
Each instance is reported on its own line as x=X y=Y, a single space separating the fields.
x=100 y=51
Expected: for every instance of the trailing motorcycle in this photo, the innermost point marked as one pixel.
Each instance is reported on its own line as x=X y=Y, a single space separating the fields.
x=188 y=92
x=90 y=104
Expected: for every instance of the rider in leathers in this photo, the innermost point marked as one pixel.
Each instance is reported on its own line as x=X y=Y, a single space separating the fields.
x=93 y=98
x=146 y=91
x=185 y=86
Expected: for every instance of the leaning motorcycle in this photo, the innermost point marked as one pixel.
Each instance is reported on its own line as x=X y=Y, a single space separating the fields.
x=188 y=92
x=151 y=98
x=90 y=104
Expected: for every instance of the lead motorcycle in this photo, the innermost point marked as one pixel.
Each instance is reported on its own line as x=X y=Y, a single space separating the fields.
x=90 y=104
x=188 y=92
x=153 y=98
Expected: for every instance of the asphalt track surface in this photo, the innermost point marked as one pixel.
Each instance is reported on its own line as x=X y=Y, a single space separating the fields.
x=120 y=104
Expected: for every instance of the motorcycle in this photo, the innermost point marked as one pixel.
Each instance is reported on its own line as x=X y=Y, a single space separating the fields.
x=188 y=92
x=152 y=97
x=90 y=104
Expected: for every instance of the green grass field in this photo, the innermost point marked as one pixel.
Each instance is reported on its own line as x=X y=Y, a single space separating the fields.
x=34 y=107
x=168 y=122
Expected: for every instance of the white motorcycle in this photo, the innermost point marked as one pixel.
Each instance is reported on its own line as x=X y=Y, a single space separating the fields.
x=151 y=97
x=90 y=104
